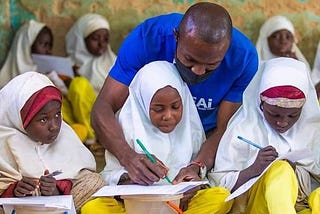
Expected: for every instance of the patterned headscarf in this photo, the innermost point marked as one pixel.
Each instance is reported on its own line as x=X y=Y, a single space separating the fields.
x=37 y=101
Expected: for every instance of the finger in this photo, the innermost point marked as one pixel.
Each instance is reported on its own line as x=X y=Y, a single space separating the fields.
x=268 y=153
x=47 y=179
x=161 y=164
x=157 y=168
x=20 y=192
x=186 y=174
x=46 y=172
x=142 y=175
x=29 y=181
x=27 y=187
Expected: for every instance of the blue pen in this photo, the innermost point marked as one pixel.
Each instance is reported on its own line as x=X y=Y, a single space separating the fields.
x=250 y=142
x=13 y=212
x=151 y=158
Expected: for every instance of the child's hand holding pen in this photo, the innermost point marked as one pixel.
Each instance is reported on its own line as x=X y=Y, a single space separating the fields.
x=48 y=183
x=265 y=156
x=26 y=187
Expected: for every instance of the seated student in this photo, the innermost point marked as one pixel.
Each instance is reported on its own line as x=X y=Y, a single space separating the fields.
x=87 y=43
x=161 y=113
x=277 y=39
x=280 y=113
x=36 y=38
x=32 y=37
x=35 y=141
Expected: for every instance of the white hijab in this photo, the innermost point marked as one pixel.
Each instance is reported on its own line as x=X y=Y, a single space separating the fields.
x=19 y=58
x=95 y=69
x=21 y=156
x=233 y=155
x=174 y=149
x=270 y=26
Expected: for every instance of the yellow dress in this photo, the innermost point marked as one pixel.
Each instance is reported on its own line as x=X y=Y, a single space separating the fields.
x=77 y=105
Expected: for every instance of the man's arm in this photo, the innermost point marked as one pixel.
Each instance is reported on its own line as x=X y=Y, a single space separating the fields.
x=109 y=133
x=207 y=153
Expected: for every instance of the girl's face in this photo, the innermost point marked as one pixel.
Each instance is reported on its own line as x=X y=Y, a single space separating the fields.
x=166 y=109
x=43 y=43
x=280 y=42
x=280 y=119
x=45 y=125
x=97 y=42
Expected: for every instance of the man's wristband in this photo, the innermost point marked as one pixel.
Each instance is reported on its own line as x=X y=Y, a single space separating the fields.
x=202 y=168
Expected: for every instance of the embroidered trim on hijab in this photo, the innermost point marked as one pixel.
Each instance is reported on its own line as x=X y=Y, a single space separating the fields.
x=284 y=96
x=37 y=101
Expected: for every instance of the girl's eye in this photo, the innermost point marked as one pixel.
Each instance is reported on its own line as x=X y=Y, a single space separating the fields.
x=159 y=109
x=43 y=120
x=176 y=106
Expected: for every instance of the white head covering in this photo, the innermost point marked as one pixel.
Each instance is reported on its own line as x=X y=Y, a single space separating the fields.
x=315 y=75
x=233 y=155
x=21 y=156
x=19 y=57
x=270 y=26
x=95 y=69
x=174 y=149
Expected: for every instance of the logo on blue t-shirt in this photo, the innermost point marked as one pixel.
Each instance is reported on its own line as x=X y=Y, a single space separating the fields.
x=204 y=103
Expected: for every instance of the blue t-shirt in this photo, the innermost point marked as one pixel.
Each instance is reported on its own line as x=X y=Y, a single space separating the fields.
x=154 y=40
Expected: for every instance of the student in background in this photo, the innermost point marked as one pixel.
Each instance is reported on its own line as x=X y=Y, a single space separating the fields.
x=280 y=113
x=35 y=141
x=87 y=44
x=36 y=38
x=160 y=112
x=32 y=37
x=277 y=39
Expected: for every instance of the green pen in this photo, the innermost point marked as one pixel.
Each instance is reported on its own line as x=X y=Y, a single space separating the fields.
x=151 y=158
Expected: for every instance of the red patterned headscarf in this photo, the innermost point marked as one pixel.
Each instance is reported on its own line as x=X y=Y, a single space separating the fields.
x=284 y=96
x=37 y=101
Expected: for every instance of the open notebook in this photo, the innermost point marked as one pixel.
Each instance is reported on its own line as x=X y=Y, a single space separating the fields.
x=64 y=203
x=147 y=190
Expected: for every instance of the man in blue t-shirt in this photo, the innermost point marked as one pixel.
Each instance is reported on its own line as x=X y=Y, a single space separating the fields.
x=215 y=59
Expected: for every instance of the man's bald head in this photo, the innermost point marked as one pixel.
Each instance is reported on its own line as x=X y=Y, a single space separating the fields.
x=207 y=21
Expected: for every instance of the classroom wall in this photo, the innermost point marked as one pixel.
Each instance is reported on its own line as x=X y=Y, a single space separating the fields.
x=124 y=15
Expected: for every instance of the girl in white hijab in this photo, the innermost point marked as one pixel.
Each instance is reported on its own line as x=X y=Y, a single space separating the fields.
x=161 y=113
x=93 y=64
x=19 y=58
x=174 y=149
x=288 y=49
x=28 y=150
x=261 y=120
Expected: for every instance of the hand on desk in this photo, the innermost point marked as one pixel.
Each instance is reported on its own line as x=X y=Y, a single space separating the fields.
x=142 y=171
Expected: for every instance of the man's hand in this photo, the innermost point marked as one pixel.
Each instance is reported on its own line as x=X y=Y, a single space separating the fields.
x=142 y=171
